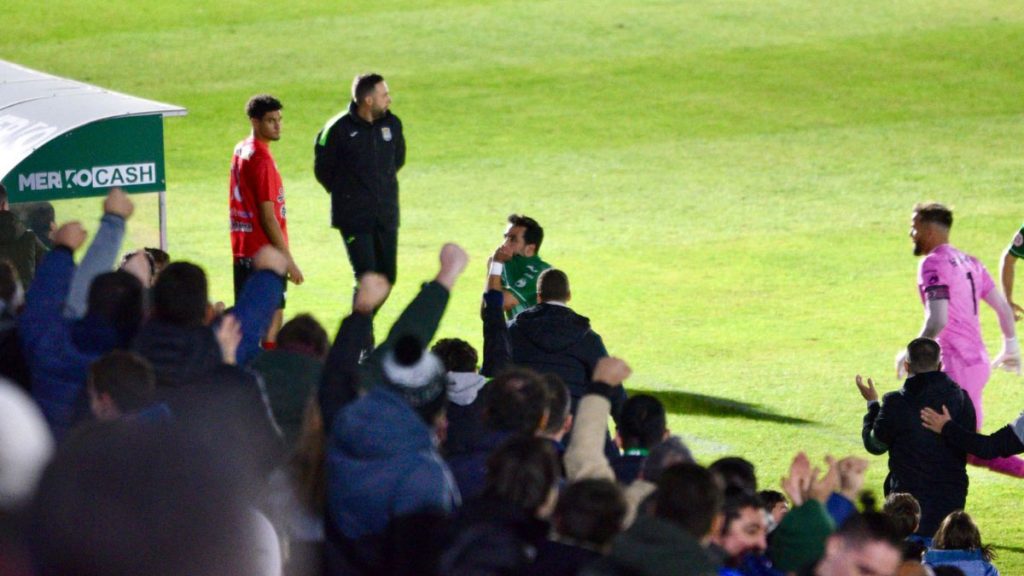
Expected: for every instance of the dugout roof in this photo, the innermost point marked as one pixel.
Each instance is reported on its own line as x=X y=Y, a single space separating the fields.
x=60 y=138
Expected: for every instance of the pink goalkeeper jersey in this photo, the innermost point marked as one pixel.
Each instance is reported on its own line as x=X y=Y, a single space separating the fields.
x=949 y=274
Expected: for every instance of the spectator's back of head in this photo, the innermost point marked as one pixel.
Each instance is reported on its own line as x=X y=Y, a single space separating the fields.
x=559 y=407
x=690 y=496
x=123 y=377
x=641 y=423
x=667 y=453
x=524 y=471
x=869 y=539
x=181 y=515
x=516 y=401
x=303 y=334
x=736 y=471
x=959 y=532
x=590 y=511
x=553 y=286
x=923 y=355
x=457 y=355
x=3 y=197
x=117 y=297
x=180 y=295
x=904 y=511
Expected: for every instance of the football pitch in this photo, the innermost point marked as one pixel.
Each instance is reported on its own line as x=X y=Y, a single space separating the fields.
x=728 y=184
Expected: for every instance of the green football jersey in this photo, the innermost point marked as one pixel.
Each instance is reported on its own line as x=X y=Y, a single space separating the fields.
x=520 y=278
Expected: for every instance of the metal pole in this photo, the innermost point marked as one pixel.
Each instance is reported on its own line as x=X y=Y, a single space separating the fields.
x=163 y=220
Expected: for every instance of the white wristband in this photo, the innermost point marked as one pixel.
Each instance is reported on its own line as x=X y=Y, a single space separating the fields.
x=497 y=268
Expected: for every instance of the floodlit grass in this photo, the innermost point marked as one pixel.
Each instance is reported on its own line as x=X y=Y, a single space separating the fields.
x=728 y=184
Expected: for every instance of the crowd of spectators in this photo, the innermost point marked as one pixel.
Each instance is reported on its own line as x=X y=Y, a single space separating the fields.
x=143 y=430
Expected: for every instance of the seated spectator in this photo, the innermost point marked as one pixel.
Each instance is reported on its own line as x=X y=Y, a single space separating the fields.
x=585 y=456
x=799 y=540
x=552 y=339
x=120 y=383
x=775 y=506
x=905 y=513
x=59 y=350
x=177 y=340
x=292 y=371
x=920 y=462
x=867 y=542
x=12 y=297
x=588 y=515
x=736 y=472
x=387 y=486
x=464 y=384
x=742 y=533
x=671 y=540
x=514 y=403
x=958 y=543
x=559 y=415
x=641 y=426
x=17 y=244
x=501 y=531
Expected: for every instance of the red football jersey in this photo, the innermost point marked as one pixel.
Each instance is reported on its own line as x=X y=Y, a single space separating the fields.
x=254 y=179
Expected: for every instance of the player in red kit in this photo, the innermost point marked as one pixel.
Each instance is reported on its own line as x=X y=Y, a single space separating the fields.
x=256 y=198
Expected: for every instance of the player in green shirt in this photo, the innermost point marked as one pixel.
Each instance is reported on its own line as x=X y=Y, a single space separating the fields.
x=1006 y=271
x=516 y=265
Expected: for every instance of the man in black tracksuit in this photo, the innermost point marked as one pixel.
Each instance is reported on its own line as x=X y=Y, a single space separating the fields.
x=358 y=156
x=920 y=462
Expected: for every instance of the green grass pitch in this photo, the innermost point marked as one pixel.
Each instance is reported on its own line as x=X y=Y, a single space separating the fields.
x=727 y=183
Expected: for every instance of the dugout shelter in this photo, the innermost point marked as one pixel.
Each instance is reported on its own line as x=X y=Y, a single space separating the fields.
x=60 y=139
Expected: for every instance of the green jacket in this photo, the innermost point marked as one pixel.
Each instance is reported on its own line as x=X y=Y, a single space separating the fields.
x=654 y=547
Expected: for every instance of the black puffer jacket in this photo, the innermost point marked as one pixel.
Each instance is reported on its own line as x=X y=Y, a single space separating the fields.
x=920 y=461
x=553 y=339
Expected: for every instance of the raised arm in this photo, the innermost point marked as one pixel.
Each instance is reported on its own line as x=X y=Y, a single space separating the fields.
x=497 y=352
x=339 y=384
x=259 y=300
x=102 y=253
x=584 y=457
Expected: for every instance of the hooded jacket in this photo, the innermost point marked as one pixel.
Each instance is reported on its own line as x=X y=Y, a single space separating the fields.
x=20 y=246
x=920 y=462
x=382 y=464
x=552 y=339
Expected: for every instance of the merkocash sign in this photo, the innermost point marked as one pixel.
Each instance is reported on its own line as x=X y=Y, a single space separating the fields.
x=88 y=161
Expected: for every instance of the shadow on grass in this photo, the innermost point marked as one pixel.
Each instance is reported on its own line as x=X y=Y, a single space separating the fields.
x=677 y=402
x=1008 y=548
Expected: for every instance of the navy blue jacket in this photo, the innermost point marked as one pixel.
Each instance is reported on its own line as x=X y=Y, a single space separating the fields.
x=59 y=351
x=381 y=465
x=920 y=462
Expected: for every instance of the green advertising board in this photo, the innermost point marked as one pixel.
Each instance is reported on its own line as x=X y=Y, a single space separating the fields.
x=89 y=160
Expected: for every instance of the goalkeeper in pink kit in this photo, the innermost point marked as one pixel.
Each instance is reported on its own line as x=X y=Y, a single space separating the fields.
x=952 y=285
